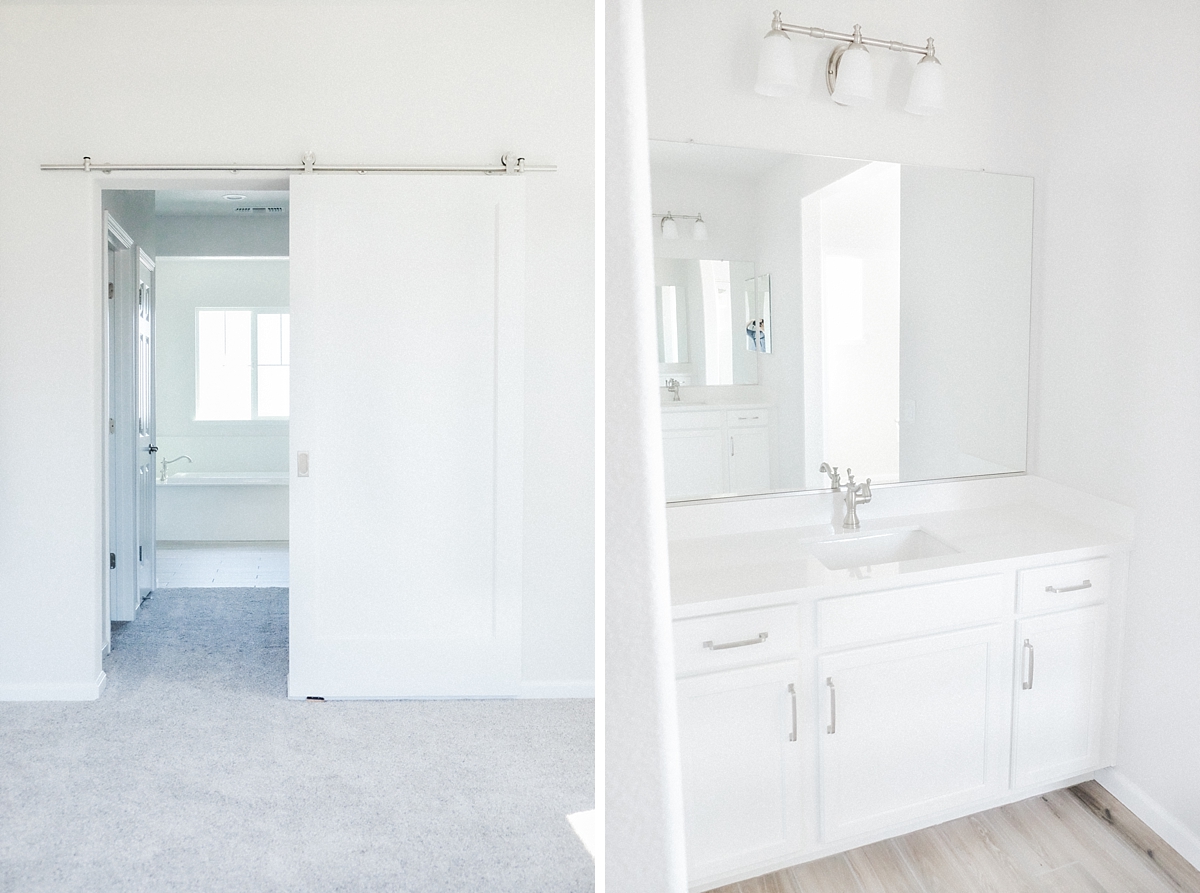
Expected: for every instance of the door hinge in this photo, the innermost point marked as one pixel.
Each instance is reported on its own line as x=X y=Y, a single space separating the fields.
x=111 y=289
x=112 y=426
x=112 y=561
x=139 y=553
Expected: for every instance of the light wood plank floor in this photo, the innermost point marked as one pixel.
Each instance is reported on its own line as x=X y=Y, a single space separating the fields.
x=1077 y=840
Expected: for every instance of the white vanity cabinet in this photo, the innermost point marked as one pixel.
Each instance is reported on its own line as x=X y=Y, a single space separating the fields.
x=694 y=462
x=749 y=450
x=912 y=728
x=1059 y=686
x=914 y=704
x=918 y=723
x=741 y=770
x=739 y=736
x=713 y=451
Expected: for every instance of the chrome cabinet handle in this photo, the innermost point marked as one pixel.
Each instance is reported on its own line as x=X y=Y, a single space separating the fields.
x=792 y=692
x=831 y=729
x=762 y=637
x=1086 y=584
x=1027 y=684
x=731 y=446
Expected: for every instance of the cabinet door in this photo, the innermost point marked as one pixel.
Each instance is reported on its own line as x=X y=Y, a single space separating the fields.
x=694 y=463
x=912 y=728
x=749 y=460
x=1059 y=695
x=740 y=761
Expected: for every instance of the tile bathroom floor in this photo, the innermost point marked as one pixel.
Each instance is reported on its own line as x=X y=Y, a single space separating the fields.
x=202 y=565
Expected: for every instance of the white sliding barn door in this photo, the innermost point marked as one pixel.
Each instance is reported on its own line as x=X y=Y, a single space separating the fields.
x=407 y=298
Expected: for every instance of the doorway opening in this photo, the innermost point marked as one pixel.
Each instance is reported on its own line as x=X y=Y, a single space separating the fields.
x=197 y=328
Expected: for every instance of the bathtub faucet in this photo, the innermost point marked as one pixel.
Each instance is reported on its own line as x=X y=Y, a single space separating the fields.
x=166 y=462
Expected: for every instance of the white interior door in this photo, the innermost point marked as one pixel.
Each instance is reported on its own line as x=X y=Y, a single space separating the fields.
x=146 y=449
x=407 y=393
x=121 y=316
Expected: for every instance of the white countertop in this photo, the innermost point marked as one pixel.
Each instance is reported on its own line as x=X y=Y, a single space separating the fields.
x=747 y=569
x=712 y=406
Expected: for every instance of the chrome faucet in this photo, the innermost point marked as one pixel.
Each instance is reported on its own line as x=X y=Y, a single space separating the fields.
x=166 y=462
x=673 y=387
x=856 y=495
x=835 y=479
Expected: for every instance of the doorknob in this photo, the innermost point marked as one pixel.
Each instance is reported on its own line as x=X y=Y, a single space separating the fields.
x=152 y=449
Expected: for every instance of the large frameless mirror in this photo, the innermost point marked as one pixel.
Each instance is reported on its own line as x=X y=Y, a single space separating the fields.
x=866 y=314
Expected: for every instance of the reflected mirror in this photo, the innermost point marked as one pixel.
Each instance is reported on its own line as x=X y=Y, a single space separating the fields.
x=866 y=314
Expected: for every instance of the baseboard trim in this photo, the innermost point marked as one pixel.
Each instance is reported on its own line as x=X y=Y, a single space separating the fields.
x=576 y=688
x=1181 y=838
x=55 y=691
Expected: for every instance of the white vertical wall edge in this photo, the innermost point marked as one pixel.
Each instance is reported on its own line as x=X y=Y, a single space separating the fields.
x=1161 y=822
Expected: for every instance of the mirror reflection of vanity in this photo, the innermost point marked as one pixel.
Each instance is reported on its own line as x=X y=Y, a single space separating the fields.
x=866 y=314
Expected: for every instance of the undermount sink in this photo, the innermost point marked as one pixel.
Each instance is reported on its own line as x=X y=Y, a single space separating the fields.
x=878 y=547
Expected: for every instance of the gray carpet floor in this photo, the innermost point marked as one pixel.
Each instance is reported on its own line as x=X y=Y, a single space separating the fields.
x=194 y=772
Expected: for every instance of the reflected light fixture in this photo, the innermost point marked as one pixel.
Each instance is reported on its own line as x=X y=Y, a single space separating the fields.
x=848 y=73
x=670 y=228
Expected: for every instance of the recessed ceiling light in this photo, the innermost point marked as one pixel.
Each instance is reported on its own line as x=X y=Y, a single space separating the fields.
x=235 y=197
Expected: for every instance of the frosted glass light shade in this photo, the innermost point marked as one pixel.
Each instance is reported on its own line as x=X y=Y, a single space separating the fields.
x=670 y=229
x=927 y=95
x=700 y=230
x=776 y=65
x=855 y=82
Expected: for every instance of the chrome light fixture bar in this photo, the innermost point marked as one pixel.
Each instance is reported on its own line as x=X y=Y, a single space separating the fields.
x=670 y=228
x=509 y=164
x=847 y=73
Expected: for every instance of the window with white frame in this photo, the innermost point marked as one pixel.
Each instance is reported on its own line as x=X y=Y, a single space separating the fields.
x=241 y=364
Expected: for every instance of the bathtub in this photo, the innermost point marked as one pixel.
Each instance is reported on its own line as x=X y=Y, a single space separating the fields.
x=223 y=506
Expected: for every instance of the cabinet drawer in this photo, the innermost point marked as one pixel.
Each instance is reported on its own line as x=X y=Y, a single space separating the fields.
x=718 y=641
x=915 y=610
x=679 y=420
x=1063 y=586
x=746 y=418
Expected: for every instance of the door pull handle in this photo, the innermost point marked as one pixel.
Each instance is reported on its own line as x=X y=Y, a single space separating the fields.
x=831 y=729
x=1086 y=584
x=762 y=637
x=792 y=692
x=1027 y=684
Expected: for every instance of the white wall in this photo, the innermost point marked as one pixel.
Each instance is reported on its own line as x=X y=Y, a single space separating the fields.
x=1118 y=371
x=390 y=82
x=964 y=322
x=194 y=235
x=183 y=285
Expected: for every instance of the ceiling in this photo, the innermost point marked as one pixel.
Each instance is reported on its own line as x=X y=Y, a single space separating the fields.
x=213 y=203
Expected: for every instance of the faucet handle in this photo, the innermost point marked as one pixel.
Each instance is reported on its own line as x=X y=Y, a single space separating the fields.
x=850 y=478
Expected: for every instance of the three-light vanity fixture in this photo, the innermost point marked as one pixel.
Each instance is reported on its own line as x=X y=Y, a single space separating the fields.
x=848 y=72
x=669 y=226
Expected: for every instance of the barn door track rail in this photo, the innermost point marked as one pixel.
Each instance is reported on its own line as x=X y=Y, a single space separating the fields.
x=510 y=163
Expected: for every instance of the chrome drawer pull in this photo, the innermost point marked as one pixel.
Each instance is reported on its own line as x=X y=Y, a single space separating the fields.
x=831 y=729
x=1027 y=685
x=1086 y=584
x=762 y=637
x=792 y=692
